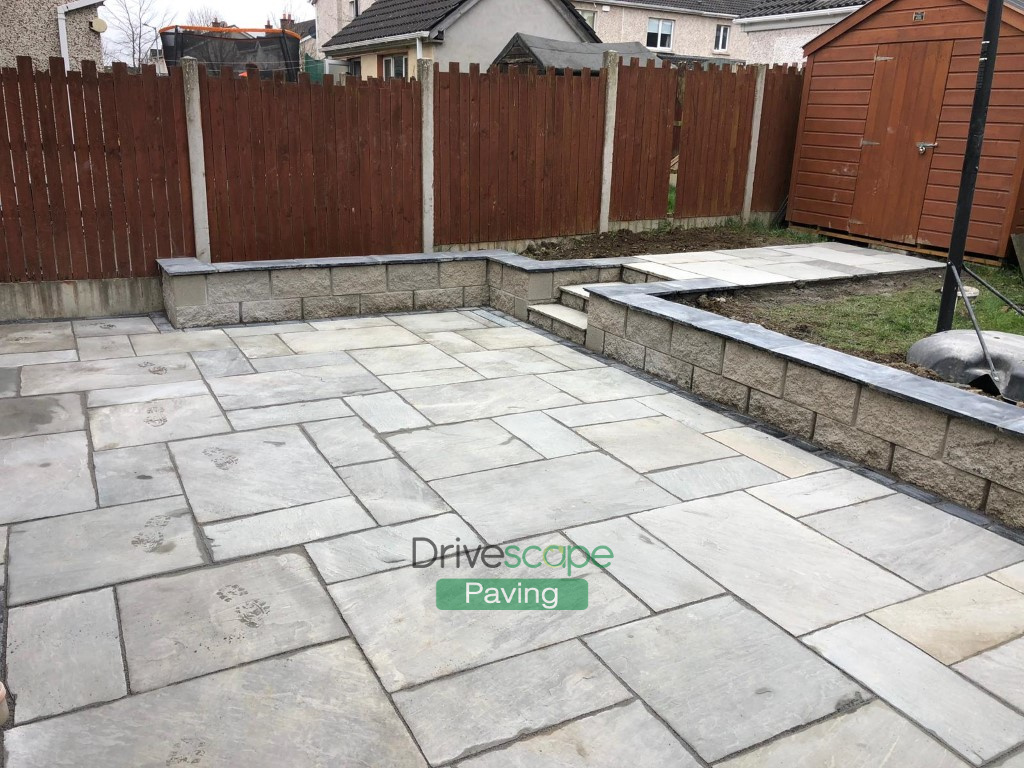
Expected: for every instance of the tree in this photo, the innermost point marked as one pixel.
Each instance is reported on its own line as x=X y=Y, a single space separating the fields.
x=134 y=29
x=203 y=16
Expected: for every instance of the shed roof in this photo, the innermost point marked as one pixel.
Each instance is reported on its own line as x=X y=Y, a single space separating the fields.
x=560 y=54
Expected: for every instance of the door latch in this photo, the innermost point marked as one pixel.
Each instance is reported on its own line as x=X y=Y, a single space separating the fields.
x=924 y=146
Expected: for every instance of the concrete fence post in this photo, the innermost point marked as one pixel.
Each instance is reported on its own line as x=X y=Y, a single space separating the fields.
x=611 y=91
x=425 y=75
x=196 y=158
x=755 y=137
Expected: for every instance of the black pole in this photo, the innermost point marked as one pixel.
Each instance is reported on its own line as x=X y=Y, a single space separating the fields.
x=972 y=159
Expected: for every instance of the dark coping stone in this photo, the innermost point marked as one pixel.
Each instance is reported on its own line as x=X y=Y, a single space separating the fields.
x=1009 y=533
x=970 y=515
x=921 y=495
x=799 y=442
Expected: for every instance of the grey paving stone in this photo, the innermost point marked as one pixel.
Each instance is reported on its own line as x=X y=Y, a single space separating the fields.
x=506 y=338
x=48 y=414
x=570 y=358
x=772 y=452
x=399 y=381
x=291 y=362
x=649 y=569
x=143 y=394
x=819 y=492
x=181 y=341
x=387 y=412
x=177 y=627
x=63 y=654
x=904 y=535
x=544 y=434
x=135 y=474
x=455 y=449
x=113 y=326
x=434 y=322
x=391 y=491
x=483 y=399
x=1011 y=577
x=601 y=413
x=263 y=329
x=349 y=338
x=627 y=735
x=9 y=382
x=281 y=387
x=297 y=722
x=711 y=478
x=1000 y=671
x=21 y=338
x=94 y=549
x=247 y=472
x=103 y=347
x=969 y=721
x=216 y=363
x=382 y=549
x=471 y=711
x=687 y=412
x=798 y=578
x=550 y=495
x=654 y=443
x=494 y=364
x=294 y=413
x=351 y=322
x=254 y=347
x=421 y=357
x=37 y=358
x=711 y=663
x=44 y=476
x=873 y=736
x=107 y=374
x=598 y=384
x=285 y=528
x=394 y=617
x=347 y=441
x=451 y=342
x=158 y=421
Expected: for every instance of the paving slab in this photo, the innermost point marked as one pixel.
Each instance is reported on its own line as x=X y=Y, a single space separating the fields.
x=601 y=413
x=712 y=478
x=216 y=363
x=570 y=358
x=9 y=382
x=772 y=452
x=687 y=412
x=654 y=443
x=970 y=722
x=597 y=384
x=113 y=326
x=263 y=329
x=297 y=721
x=714 y=662
x=1011 y=577
x=266 y=345
x=74 y=553
x=21 y=338
x=349 y=338
x=37 y=358
x=507 y=338
x=550 y=495
x=471 y=711
x=64 y=654
x=399 y=381
x=351 y=322
x=499 y=363
x=434 y=322
x=794 y=576
x=107 y=374
x=282 y=387
x=135 y=474
x=820 y=492
x=1000 y=670
x=44 y=476
x=180 y=341
x=873 y=736
x=44 y=415
x=247 y=472
x=904 y=535
x=145 y=393
x=392 y=492
x=157 y=421
x=457 y=449
x=293 y=362
x=347 y=441
x=544 y=435
x=391 y=360
x=103 y=347
x=483 y=399
x=178 y=627
x=293 y=413
x=451 y=342
x=285 y=528
x=386 y=412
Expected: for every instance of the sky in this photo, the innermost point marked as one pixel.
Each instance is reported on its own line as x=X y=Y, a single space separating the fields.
x=242 y=13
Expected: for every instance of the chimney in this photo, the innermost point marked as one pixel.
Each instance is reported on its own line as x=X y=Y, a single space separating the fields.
x=287 y=22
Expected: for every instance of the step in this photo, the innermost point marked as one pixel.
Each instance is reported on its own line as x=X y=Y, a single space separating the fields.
x=564 y=321
x=575 y=296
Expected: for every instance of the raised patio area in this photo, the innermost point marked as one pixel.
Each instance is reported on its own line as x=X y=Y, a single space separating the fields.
x=208 y=563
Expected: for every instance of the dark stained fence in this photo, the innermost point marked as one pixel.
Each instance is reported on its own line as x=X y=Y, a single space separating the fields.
x=517 y=154
x=296 y=170
x=93 y=173
x=780 y=119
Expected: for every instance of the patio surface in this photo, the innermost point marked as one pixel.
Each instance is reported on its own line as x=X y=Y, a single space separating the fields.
x=208 y=542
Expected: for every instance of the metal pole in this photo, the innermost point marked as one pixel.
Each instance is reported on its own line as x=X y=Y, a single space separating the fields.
x=972 y=159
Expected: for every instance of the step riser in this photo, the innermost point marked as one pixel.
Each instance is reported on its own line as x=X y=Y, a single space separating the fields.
x=573 y=302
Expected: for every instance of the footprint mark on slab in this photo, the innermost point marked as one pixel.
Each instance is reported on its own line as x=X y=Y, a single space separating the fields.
x=252 y=613
x=155 y=416
x=148 y=541
x=231 y=592
x=187 y=752
x=221 y=458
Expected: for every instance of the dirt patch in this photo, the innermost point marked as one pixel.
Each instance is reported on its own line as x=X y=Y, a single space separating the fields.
x=611 y=245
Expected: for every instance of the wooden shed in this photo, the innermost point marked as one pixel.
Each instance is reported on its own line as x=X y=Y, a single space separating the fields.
x=883 y=126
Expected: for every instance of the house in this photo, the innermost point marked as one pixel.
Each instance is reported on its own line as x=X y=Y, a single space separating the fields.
x=777 y=30
x=543 y=53
x=688 y=29
x=42 y=29
x=388 y=38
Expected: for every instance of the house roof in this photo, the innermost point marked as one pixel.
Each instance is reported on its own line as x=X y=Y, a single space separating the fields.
x=395 y=18
x=718 y=7
x=305 y=28
x=788 y=7
x=560 y=54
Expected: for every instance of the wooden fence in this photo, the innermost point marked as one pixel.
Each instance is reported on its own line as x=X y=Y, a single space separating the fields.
x=95 y=180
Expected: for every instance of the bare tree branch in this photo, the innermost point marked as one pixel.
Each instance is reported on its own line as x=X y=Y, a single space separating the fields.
x=134 y=29
x=203 y=16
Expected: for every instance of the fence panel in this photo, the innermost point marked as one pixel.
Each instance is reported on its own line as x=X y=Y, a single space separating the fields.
x=780 y=117
x=718 y=104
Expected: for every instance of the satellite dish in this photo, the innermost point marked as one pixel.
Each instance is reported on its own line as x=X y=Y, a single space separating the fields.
x=98 y=25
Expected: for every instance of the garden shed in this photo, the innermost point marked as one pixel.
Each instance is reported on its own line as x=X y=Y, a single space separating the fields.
x=883 y=126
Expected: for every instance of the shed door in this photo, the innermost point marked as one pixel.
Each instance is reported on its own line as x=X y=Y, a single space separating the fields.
x=903 y=114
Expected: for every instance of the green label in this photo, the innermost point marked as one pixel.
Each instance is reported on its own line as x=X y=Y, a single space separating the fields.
x=512 y=594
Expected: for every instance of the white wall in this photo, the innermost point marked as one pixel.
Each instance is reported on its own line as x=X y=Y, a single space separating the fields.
x=780 y=46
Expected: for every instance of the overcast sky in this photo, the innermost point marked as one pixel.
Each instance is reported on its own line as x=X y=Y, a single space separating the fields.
x=242 y=13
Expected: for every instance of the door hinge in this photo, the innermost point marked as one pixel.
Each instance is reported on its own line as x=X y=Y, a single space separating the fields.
x=866 y=143
x=884 y=58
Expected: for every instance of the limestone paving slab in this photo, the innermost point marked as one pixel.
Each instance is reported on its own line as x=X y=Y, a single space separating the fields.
x=392 y=492
x=507 y=338
x=414 y=379
x=386 y=412
x=817 y=493
x=61 y=555
x=390 y=360
x=791 y=574
x=263 y=329
x=107 y=374
x=44 y=476
x=904 y=535
x=247 y=472
x=772 y=452
x=180 y=341
x=434 y=322
x=266 y=345
x=570 y=358
x=9 y=382
x=283 y=387
x=1011 y=577
x=215 y=363
x=341 y=340
x=544 y=435
x=285 y=528
x=177 y=627
x=113 y=326
x=550 y=495
x=21 y=338
x=971 y=722
x=351 y=322
x=457 y=449
x=44 y=415
x=654 y=443
x=135 y=474
x=711 y=478
x=37 y=358
x=1000 y=670
x=103 y=347
x=347 y=441
x=473 y=710
x=601 y=413
x=687 y=412
x=451 y=342
x=293 y=413
x=63 y=654
x=157 y=421
x=289 y=361
x=144 y=393
x=494 y=364
x=597 y=384
x=483 y=399
x=297 y=721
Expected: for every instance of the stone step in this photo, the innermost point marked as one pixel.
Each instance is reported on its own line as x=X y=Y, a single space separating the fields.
x=564 y=321
x=576 y=296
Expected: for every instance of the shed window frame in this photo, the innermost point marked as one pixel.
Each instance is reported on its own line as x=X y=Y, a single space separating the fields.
x=589 y=16
x=660 y=31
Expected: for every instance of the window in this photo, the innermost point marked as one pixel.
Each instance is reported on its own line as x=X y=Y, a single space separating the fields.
x=354 y=67
x=590 y=17
x=721 y=38
x=395 y=66
x=659 y=33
